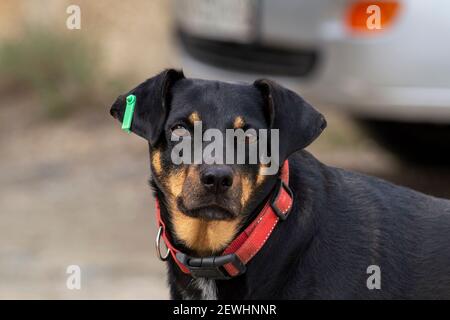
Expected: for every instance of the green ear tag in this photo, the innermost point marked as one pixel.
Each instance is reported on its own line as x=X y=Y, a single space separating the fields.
x=129 y=110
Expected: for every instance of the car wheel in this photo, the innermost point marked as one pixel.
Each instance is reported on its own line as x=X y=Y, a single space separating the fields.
x=419 y=143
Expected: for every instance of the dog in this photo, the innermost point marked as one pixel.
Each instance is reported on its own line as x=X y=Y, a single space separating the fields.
x=333 y=234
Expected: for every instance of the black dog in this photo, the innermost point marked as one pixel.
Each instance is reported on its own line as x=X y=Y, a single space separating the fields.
x=340 y=226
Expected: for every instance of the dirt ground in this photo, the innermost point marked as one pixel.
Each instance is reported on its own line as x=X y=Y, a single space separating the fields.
x=74 y=191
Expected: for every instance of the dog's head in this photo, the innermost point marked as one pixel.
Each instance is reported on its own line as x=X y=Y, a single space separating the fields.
x=208 y=201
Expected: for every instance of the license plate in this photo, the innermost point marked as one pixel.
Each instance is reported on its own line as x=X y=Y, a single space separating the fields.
x=217 y=19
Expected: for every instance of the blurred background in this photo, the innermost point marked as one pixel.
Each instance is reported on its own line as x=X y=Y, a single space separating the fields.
x=73 y=186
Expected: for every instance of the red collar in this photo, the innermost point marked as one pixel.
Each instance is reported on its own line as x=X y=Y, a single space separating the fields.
x=244 y=247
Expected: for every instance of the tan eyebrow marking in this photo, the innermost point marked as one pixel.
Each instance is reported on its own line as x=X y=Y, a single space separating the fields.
x=238 y=122
x=194 y=117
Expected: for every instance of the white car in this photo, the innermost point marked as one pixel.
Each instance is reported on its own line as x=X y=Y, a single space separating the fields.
x=388 y=65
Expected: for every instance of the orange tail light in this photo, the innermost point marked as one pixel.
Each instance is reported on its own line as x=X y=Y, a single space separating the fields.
x=371 y=16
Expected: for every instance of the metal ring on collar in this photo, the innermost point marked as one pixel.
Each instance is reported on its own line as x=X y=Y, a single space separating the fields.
x=158 y=247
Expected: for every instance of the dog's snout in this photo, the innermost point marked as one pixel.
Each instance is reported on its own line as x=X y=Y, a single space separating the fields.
x=217 y=179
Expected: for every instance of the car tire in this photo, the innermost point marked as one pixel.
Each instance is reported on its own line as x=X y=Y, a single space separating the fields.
x=418 y=143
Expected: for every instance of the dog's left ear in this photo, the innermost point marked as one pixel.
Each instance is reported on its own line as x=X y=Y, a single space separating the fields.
x=298 y=122
x=151 y=106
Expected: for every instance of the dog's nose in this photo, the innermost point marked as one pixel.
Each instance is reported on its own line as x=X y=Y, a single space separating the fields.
x=217 y=179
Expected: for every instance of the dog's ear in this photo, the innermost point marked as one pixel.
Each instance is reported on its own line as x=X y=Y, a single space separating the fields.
x=151 y=106
x=298 y=122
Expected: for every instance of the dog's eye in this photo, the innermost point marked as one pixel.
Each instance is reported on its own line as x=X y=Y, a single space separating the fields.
x=180 y=131
x=251 y=137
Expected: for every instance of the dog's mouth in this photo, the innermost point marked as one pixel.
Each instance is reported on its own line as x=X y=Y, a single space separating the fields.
x=208 y=212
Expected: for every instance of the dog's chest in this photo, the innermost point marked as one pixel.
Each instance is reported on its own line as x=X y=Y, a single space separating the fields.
x=200 y=288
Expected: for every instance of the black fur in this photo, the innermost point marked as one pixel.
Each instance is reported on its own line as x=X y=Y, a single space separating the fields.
x=341 y=222
x=151 y=108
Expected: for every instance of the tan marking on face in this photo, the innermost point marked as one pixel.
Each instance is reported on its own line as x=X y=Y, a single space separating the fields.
x=239 y=122
x=260 y=177
x=156 y=161
x=202 y=236
x=205 y=237
x=175 y=182
x=194 y=117
x=247 y=188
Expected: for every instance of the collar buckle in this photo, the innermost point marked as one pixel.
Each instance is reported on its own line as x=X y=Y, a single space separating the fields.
x=211 y=267
x=282 y=213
